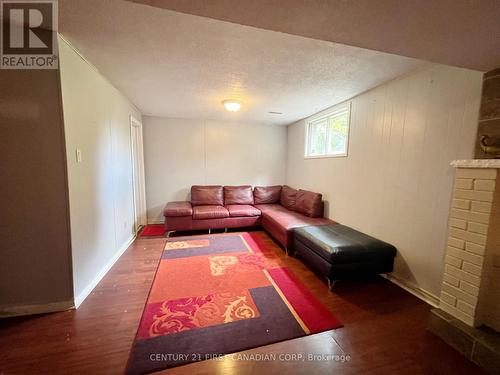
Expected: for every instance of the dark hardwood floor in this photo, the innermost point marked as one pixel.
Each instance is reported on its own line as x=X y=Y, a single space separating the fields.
x=384 y=330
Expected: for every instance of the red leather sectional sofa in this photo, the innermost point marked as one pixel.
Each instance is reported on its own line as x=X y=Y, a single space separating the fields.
x=278 y=209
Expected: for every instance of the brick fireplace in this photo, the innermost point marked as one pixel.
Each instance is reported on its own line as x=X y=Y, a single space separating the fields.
x=468 y=317
x=471 y=280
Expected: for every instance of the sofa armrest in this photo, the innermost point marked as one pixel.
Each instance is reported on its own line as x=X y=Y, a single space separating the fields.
x=178 y=209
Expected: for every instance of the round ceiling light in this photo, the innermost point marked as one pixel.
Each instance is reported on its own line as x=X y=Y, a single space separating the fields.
x=232 y=105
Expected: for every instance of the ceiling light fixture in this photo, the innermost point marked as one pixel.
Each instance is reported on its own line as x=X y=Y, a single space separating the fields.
x=232 y=105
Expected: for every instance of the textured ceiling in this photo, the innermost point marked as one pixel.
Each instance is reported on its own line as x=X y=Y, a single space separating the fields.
x=177 y=65
x=464 y=33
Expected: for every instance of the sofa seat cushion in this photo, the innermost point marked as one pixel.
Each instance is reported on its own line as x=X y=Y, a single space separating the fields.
x=209 y=212
x=343 y=245
x=237 y=210
x=207 y=195
x=267 y=194
x=238 y=195
x=287 y=219
x=178 y=209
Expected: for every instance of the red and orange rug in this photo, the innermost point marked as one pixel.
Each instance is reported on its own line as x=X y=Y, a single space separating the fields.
x=219 y=294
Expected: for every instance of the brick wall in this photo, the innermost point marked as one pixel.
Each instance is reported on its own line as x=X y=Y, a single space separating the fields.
x=470 y=226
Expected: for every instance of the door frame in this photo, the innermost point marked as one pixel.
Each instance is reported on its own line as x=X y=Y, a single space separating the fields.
x=138 y=179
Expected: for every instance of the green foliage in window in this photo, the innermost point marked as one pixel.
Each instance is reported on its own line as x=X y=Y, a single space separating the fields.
x=329 y=135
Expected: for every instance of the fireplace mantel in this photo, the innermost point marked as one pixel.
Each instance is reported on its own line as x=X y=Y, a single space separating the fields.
x=476 y=163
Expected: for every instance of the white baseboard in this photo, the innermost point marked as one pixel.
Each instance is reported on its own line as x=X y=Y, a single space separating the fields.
x=418 y=292
x=9 y=311
x=156 y=222
x=90 y=287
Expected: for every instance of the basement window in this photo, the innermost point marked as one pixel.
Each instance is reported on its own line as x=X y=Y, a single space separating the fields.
x=327 y=135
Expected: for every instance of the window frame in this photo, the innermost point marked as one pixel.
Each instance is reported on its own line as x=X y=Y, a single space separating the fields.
x=324 y=115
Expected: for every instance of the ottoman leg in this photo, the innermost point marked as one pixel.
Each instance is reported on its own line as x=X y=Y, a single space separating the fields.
x=331 y=283
x=169 y=233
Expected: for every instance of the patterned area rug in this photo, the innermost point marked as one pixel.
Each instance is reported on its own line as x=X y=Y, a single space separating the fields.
x=219 y=294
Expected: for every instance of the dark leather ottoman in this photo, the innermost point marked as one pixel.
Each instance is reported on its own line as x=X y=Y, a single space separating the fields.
x=339 y=252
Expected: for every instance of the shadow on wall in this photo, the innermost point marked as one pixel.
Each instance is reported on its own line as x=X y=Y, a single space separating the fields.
x=326 y=209
x=154 y=218
x=403 y=271
x=155 y=214
x=183 y=194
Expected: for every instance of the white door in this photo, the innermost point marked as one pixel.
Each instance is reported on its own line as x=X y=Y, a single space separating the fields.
x=138 y=173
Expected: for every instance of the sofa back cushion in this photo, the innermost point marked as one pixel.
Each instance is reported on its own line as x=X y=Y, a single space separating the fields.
x=266 y=194
x=309 y=203
x=287 y=197
x=238 y=195
x=203 y=195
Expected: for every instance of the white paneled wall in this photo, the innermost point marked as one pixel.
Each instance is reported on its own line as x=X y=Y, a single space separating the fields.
x=96 y=121
x=179 y=153
x=396 y=182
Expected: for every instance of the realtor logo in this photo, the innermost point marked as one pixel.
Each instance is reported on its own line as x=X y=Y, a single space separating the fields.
x=29 y=34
